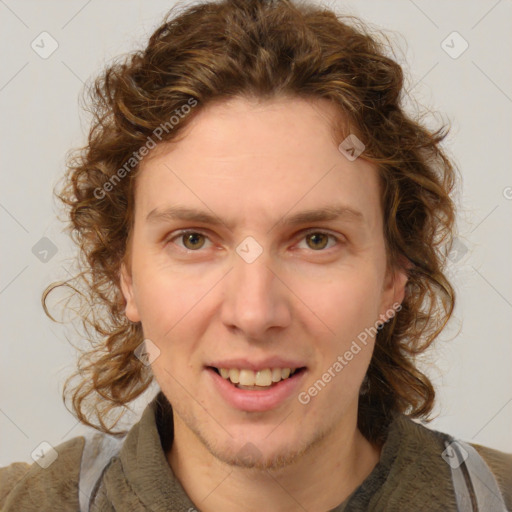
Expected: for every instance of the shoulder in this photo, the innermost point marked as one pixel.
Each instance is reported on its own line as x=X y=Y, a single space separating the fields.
x=474 y=472
x=500 y=463
x=43 y=486
x=489 y=470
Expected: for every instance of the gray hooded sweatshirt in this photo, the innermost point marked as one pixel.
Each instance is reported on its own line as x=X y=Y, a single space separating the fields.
x=419 y=470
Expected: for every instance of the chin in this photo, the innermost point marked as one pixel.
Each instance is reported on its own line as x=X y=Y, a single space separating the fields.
x=252 y=451
x=249 y=456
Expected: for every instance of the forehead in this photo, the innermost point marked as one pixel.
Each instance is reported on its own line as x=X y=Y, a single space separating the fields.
x=256 y=161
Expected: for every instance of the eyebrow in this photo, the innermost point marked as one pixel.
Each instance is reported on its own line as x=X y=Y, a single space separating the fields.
x=326 y=213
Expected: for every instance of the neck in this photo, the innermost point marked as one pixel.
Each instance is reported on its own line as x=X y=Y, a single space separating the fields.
x=339 y=464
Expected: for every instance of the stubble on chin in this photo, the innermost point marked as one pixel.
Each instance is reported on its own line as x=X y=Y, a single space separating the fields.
x=248 y=455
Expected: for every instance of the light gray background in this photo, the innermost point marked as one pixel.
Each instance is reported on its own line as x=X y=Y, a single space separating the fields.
x=41 y=121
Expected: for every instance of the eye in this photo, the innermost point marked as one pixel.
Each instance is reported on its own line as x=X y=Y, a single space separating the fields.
x=318 y=240
x=192 y=240
x=195 y=240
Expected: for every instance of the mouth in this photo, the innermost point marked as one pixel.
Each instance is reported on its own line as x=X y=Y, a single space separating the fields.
x=260 y=380
x=252 y=385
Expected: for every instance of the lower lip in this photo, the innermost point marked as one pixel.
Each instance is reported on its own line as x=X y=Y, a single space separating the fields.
x=256 y=401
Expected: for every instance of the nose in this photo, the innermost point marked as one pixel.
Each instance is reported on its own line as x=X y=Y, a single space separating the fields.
x=255 y=298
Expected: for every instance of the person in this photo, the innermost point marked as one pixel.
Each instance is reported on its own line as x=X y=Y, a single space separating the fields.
x=263 y=232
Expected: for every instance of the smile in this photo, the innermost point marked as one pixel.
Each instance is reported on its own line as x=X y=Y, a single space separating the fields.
x=256 y=380
x=256 y=390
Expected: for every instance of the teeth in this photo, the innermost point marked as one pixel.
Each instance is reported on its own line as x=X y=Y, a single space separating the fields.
x=276 y=374
x=234 y=376
x=247 y=377
x=262 y=378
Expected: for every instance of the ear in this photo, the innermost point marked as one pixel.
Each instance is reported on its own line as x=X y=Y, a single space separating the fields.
x=393 y=292
x=131 y=312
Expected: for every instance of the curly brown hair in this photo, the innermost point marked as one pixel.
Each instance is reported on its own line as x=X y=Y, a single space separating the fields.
x=264 y=49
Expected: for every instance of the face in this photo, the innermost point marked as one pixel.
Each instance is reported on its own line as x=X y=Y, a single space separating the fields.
x=258 y=249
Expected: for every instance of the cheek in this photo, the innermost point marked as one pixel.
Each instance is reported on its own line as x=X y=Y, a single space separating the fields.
x=350 y=310
x=168 y=304
x=346 y=304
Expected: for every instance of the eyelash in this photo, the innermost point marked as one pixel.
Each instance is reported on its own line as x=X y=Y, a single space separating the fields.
x=181 y=233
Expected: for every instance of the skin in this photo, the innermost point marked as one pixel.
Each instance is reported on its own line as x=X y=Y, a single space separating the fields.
x=251 y=164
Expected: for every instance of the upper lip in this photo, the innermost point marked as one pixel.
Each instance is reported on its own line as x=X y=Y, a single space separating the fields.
x=270 y=362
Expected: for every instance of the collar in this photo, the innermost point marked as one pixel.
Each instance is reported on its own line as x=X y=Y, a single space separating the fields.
x=410 y=473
